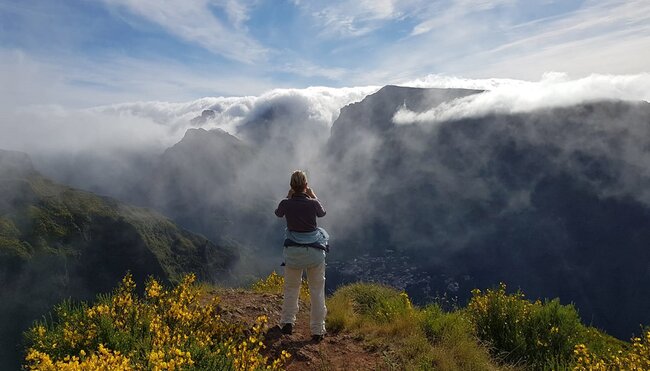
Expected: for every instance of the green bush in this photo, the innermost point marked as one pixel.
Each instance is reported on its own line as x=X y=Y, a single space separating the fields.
x=454 y=345
x=447 y=327
x=361 y=302
x=540 y=334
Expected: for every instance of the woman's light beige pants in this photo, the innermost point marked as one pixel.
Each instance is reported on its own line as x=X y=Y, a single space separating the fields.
x=316 y=281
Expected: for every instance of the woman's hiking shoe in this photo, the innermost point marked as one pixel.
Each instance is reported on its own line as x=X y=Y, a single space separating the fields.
x=273 y=333
x=287 y=329
x=317 y=338
x=277 y=331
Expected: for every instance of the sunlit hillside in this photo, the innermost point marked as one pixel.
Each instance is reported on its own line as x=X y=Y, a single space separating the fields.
x=194 y=326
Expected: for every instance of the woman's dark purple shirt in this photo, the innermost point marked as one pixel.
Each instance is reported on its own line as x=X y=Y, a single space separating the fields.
x=301 y=212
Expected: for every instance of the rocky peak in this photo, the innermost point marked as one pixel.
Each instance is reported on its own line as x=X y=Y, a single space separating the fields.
x=206 y=116
x=200 y=136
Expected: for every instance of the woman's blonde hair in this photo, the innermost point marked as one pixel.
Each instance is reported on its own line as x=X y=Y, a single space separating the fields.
x=298 y=181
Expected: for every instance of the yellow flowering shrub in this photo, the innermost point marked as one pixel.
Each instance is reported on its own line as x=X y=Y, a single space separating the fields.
x=103 y=359
x=167 y=329
x=540 y=334
x=274 y=284
x=634 y=357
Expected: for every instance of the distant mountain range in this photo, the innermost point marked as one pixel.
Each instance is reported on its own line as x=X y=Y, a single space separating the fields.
x=57 y=242
x=554 y=201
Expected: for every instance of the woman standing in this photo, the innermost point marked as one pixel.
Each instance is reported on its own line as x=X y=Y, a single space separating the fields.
x=304 y=250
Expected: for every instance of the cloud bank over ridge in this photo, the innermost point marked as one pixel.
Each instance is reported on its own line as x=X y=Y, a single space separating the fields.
x=160 y=124
x=514 y=96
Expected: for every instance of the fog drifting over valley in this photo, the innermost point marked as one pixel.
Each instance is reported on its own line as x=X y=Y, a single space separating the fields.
x=450 y=178
x=108 y=149
x=97 y=146
x=135 y=125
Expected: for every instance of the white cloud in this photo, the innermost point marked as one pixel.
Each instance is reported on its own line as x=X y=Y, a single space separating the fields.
x=607 y=37
x=306 y=68
x=446 y=82
x=158 y=124
x=237 y=10
x=83 y=82
x=35 y=108
x=454 y=13
x=321 y=103
x=472 y=38
x=510 y=96
x=193 y=21
x=350 y=18
x=49 y=129
x=604 y=20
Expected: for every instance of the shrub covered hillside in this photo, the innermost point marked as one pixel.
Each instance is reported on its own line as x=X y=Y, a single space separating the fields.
x=186 y=327
x=167 y=329
x=58 y=242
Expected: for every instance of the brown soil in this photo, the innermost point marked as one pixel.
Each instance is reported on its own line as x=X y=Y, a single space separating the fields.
x=339 y=351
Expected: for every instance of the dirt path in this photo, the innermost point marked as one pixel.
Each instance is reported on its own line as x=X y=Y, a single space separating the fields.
x=336 y=352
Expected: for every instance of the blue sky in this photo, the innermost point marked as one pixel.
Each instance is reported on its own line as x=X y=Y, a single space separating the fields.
x=81 y=53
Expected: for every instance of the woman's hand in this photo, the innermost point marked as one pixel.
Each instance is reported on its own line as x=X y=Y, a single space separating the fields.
x=310 y=193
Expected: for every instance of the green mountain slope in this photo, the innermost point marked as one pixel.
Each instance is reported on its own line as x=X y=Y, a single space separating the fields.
x=57 y=242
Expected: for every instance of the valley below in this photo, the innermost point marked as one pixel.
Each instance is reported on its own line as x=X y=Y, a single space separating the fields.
x=553 y=202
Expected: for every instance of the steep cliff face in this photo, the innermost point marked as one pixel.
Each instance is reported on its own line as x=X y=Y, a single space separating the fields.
x=196 y=173
x=552 y=201
x=362 y=124
x=200 y=183
x=57 y=242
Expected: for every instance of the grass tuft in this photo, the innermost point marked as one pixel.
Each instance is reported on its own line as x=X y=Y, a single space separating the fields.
x=410 y=337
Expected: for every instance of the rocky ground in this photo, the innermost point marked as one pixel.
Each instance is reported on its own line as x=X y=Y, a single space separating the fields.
x=338 y=351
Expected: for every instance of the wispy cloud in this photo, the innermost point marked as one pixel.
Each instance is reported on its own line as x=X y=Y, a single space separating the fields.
x=237 y=11
x=306 y=68
x=160 y=52
x=44 y=101
x=350 y=18
x=30 y=80
x=454 y=13
x=595 y=19
x=608 y=37
x=601 y=37
x=194 y=21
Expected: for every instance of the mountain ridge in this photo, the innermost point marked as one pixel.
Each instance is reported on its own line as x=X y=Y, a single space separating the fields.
x=58 y=242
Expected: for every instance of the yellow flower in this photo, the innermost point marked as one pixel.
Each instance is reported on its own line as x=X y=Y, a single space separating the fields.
x=173 y=322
